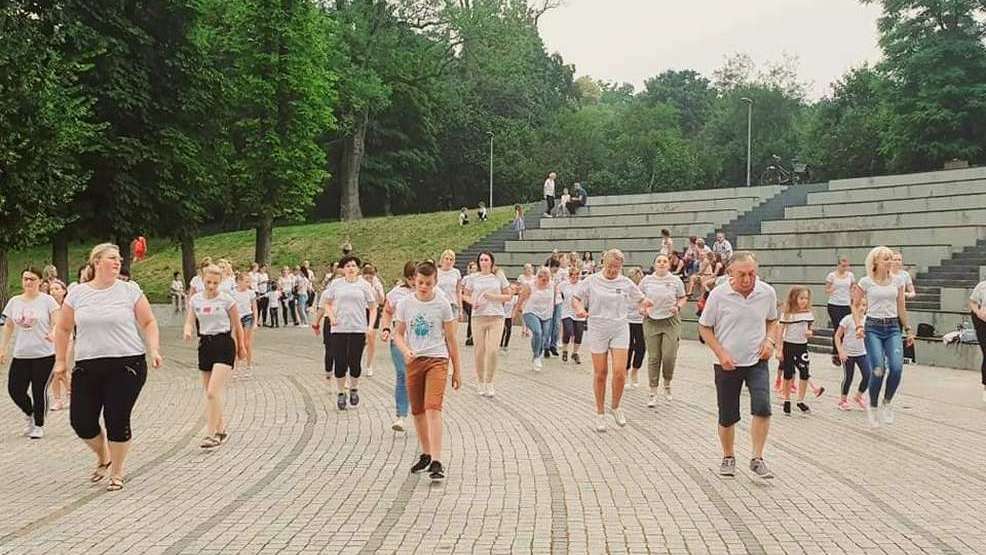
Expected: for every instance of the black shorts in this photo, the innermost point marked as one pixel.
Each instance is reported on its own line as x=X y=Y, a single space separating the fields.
x=795 y=358
x=216 y=349
x=729 y=384
x=376 y=323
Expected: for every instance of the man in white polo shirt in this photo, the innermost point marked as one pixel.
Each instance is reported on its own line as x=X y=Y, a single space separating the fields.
x=737 y=324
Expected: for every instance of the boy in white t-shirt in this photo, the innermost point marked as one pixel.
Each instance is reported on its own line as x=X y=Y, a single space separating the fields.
x=425 y=335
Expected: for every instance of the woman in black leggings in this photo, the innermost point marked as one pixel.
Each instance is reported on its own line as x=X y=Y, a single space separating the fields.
x=635 y=354
x=976 y=302
x=110 y=359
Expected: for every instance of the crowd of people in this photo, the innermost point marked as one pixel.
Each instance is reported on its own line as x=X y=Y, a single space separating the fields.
x=97 y=336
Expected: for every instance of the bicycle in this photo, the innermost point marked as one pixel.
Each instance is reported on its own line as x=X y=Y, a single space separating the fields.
x=777 y=174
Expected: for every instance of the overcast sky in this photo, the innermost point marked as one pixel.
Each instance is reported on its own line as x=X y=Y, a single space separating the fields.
x=631 y=40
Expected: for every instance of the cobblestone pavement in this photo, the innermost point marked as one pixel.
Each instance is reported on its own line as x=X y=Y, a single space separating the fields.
x=526 y=472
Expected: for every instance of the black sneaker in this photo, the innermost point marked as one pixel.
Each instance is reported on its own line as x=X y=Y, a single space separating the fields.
x=805 y=411
x=547 y=353
x=468 y=342
x=576 y=359
x=341 y=401
x=423 y=463
x=353 y=397
x=437 y=473
x=787 y=408
x=564 y=356
x=554 y=351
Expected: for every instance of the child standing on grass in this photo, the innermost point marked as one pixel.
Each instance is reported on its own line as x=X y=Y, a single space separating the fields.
x=795 y=330
x=519 y=225
x=851 y=350
x=425 y=335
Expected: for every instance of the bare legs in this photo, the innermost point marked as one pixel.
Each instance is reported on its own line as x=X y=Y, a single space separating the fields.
x=600 y=363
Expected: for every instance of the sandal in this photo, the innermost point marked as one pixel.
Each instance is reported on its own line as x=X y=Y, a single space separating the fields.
x=210 y=442
x=116 y=484
x=221 y=436
x=99 y=473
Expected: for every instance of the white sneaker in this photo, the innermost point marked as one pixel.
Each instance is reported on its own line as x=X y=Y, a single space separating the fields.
x=398 y=425
x=652 y=402
x=871 y=417
x=984 y=395
x=28 y=424
x=635 y=384
x=888 y=412
x=538 y=364
x=621 y=419
x=667 y=394
x=369 y=370
x=490 y=392
x=37 y=432
x=600 y=422
x=481 y=389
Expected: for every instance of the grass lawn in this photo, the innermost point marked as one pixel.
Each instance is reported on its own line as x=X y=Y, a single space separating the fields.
x=387 y=242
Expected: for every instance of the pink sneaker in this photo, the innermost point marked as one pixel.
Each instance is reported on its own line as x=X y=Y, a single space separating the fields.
x=844 y=405
x=860 y=402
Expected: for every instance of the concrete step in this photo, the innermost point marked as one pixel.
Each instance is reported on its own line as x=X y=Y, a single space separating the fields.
x=953 y=283
x=621 y=232
x=918 y=256
x=633 y=258
x=939 y=176
x=591 y=243
x=890 y=206
x=958 y=236
x=963 y=260
x=692 y=205
x=641 y=218
x=963 y=275
x=678 y=196
x=878 y=194
x=879 y=221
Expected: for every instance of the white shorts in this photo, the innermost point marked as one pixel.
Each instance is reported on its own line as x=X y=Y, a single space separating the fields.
x=604 y=335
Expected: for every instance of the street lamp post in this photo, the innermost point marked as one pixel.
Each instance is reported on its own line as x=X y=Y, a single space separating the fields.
x=490 y=133
x=749 y=135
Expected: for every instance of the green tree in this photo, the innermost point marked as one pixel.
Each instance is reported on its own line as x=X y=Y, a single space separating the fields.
x=935 y=60
x=688 y=92
x=44 y=125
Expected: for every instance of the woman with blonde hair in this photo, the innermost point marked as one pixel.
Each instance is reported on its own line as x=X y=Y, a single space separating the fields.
x=371 y=277
x=537 y=304
x=450 y=281
x=109 y=316
x=607 y=294
x=885 y=313
x=635 y=355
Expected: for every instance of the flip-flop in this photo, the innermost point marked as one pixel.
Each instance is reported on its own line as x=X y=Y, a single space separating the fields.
x=210 y=442
x=222 y=436
x=99 y=473
x=116 y=484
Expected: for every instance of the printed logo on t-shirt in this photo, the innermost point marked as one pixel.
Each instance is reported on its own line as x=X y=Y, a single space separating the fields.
x=421 y=326
x=207 y=309
x=27 y=319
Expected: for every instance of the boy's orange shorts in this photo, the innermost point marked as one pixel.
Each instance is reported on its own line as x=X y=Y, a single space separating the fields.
x=426 y=379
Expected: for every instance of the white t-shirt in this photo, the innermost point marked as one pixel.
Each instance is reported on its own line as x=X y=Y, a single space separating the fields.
x=424 y=321
x=509 y=306
x=227 y=284
x=739 y=322
x=263 y=283
x=287 y=285
x=213 y=314
x=978 y=294
x=377 y=287
x=244 y=302
x=303 y=283
x=567 y=290
x=398 y=294
x=903 y=279
x=196 y=285
x=177 y=286
x=607 y=299
x=796 y=327
x=32 y=320
x=448 y=282
x=851 y=345
x=274 y=299
x=841 y=288
x=881 y=300
x=549 y=187
x=541 y=302
x=350 y=301
x=664 y=292
x=478 y=285
x=105 y=323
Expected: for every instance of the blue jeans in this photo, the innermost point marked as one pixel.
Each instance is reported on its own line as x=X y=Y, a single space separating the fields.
x=400 y=380
x=552 y=342
x=885 y=350
x=539 y=333
x=302 y=305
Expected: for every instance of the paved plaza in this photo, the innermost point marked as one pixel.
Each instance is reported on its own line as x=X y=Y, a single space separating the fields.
x=526 y=471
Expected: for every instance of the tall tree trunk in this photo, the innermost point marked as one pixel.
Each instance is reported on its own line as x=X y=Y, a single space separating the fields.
x=4 y=279
x=352 y=161
x=187 y=241
x=265 y=232
x=59 y=253
x=125 y=253
x=387 y=208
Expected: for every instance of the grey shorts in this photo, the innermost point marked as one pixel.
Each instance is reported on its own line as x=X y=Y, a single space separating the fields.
x=729 y=383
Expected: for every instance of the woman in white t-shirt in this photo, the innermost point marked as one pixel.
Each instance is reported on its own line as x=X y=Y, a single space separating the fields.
x=838 y=286
x=60 y=383
x=303 y=286
x=471 y=270
x=350 y=305
x=537 y=304
x=977 y=309
x=885 y=315
x=526 y=278
x=487 y=290
x=196 y=285
x=288 y=300
x=32 y=314
x=220 y=341
x=108 y=316
x=607 y=294
x=246 y=304
x=262 y=288
x=394 y=297
x=662 y=325
x=450 y=280
x=371 y=277
x=637 y=349
x=549 y=194
x=228 y=281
